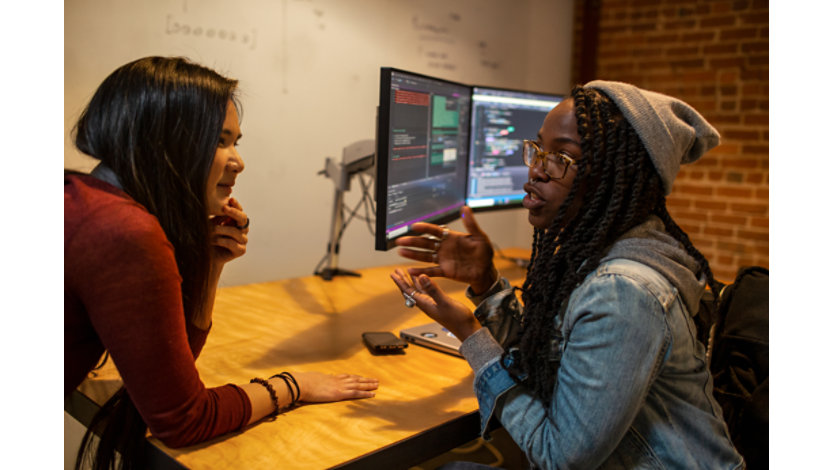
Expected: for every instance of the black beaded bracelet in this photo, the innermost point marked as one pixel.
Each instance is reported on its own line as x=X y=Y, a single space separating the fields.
x=272 y=395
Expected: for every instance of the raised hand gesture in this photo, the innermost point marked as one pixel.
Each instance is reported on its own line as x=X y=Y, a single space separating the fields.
x=464 y=257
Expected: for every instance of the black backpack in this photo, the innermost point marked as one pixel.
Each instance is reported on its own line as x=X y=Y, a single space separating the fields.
x=736 y=337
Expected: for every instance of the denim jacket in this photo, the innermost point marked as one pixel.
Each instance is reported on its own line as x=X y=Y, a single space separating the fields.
x=632 y=388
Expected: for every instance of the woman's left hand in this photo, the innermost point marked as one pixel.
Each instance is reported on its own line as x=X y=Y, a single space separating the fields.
x=229 y=234
x=454 y=315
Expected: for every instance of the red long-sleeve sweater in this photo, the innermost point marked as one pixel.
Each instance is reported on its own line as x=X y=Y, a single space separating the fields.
x=122 y=293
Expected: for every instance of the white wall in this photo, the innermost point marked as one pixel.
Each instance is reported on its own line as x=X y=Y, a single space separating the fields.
x=309 y=76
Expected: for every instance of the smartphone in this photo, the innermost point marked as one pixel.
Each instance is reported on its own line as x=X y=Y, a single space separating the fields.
x=383 y=342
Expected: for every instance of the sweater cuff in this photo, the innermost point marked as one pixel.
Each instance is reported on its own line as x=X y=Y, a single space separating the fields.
x=480 y=348
x=500 y=284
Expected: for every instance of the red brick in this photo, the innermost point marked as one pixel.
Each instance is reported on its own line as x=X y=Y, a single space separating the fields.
x=728 y=219
x=711 y=205
x=643 y=27
x=751 y=208
x=699 y=36
x=734 y=34
x=728 y=106
x=722 y=48
x=741 y=5
x=754 y=47
x=718 y=21
x=723 y=259
x=758 y=61
x=755 y=18
x=691 y=189
x=755 y=89
x=757 y=119
x=731 y=247
x=755 y=177
x=684 y=50
x=741 y=134
x=734 y=192
x=696 y=175
x=754 y=149
x=762 y=249
x=718 y=231
x=757 y=236
x=708 y=160
x=763 y=194
x=679 y=24
x=734 y=176
x=761 y=222
x=740 y=162
x=727 y=62
x=754 y=74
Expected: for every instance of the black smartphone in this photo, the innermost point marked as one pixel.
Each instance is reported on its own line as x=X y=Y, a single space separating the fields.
x=383 y=342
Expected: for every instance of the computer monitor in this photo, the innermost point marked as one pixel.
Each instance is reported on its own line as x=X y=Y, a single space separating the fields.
x=422 y=152
x=501 y=120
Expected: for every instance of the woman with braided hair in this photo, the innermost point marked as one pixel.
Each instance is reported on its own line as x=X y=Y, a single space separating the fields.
x=598 y=366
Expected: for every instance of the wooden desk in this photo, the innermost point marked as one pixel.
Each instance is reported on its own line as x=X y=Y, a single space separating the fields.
x=424 y=405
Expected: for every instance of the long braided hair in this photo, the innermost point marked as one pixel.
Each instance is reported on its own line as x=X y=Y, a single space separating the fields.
x=616 y=188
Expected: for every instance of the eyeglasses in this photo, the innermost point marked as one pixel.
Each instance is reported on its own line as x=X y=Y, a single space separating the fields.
x=555 y=164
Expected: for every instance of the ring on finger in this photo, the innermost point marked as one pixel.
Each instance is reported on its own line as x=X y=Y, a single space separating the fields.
x=445 y=234
x=434 y=257
x=409 y=300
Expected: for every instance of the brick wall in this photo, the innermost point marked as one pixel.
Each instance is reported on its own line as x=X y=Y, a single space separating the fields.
x=713 y=55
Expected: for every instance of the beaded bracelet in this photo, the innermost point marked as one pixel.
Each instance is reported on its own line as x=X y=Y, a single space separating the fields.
x=272 y=395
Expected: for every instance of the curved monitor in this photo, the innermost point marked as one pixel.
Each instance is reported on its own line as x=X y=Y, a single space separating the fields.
x=422 y=152
x=501 y=120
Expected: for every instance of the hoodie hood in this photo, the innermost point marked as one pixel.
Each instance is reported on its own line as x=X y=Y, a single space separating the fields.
x=649 y=244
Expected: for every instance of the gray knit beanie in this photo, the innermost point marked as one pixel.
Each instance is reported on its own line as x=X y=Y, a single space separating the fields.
x=671 y=130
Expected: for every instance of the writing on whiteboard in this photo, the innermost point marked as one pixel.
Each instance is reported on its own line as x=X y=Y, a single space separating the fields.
x=247 y=39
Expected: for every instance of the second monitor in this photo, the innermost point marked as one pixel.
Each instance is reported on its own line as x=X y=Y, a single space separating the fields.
x=501 y=120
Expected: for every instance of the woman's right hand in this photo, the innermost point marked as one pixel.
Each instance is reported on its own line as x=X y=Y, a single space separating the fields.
x=316 y=387
x=428 y=297
x=464 y=257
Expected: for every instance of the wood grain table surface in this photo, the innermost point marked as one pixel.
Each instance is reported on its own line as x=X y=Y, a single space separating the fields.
x=306 y=324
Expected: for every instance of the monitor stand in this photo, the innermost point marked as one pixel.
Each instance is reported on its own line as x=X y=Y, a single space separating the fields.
x=336 y=227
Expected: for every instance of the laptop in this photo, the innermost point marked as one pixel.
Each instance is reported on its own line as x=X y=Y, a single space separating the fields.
x=433 y=335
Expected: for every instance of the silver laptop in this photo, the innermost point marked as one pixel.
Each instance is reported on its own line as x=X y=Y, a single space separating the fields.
x=432 y=335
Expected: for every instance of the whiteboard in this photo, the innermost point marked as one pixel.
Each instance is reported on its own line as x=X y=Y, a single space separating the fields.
x=309 y=83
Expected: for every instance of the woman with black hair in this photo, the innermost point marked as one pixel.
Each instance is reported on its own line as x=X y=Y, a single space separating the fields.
x=146 y=236
x=598 y=366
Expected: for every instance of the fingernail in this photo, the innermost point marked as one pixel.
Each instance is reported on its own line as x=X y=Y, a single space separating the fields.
x=424 y=281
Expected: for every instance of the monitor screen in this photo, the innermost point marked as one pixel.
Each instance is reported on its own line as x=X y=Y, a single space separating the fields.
x=422 y=152
x=501 y=120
